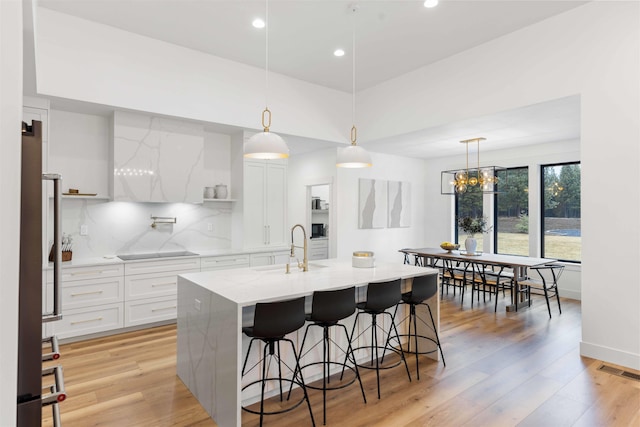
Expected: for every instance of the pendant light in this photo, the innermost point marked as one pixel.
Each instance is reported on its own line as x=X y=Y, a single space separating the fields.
x=266 y=145
x=353 y=156
x=462 y=180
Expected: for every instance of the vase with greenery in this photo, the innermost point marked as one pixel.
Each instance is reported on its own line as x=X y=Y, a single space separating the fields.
x=473 y=226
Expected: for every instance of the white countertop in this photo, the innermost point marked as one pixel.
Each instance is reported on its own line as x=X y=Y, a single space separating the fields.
x=247 y=286
x=113 y=259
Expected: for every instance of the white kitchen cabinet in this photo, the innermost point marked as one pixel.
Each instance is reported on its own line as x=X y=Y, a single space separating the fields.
x=270 y=258
x=318 y=248
x=88 y=320
x=92 y=300
x=164 y=265
x=265 y=201
x=225 y=261
x=150 y=285
x=151 y=289
x=156 y=159
x=140 y=312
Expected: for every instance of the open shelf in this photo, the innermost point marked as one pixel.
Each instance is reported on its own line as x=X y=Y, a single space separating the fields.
x=219 y=200
x=96 y=197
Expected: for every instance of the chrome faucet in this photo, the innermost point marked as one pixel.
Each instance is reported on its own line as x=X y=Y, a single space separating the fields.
x=304 y=265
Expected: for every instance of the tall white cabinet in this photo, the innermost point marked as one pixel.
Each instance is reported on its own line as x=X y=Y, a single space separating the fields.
x=265 y=201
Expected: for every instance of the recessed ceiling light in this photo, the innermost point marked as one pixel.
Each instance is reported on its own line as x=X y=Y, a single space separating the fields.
x=258 y=23
x=338 y=52
x=430 y=3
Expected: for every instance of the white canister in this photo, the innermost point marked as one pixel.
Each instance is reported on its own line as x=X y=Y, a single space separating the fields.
x=209 y=193
x=363 y=259
x=221 y=191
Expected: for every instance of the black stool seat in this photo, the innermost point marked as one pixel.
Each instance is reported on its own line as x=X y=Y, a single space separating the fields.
x=423 y=288
x=328 y=308
x=272 y=322
x=380 y=297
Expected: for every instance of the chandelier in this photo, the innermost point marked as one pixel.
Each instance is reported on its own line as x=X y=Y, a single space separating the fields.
x=460 y=181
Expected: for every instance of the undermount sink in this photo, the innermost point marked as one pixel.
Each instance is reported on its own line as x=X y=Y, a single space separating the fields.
x=155 y=255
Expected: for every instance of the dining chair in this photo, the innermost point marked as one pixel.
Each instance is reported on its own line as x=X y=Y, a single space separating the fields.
x=457 y=275
x=546 y=280
x=491 y=279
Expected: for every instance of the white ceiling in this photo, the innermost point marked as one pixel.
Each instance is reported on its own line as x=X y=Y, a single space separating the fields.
x=392 y=38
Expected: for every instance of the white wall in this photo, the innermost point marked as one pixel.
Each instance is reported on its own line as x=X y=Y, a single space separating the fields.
x=384 y=242
x=593 y=51
x=86 y=61
x=10 y=117
x=318 y=167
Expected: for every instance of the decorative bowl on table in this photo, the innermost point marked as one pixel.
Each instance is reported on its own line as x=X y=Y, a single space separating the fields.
x=448 y=246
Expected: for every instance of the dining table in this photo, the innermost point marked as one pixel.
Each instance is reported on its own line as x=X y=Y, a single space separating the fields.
x=519 y=264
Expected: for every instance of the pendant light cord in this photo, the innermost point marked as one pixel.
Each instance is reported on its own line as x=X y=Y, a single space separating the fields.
x=266 y=59
x=353 y=78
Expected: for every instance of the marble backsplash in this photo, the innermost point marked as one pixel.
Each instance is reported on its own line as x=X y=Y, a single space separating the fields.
x=125 y=227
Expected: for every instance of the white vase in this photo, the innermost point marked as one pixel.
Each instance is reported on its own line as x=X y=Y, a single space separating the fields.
x=221 y=191
x=470 y=245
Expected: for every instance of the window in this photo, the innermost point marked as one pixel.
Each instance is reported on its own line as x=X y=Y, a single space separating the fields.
x=469 y=204
x=561 y=237
x=512 y=212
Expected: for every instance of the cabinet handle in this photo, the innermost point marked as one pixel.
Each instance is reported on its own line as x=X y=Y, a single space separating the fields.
x=77 y=294
x=264 y=235
x=163 y=308
x=97 y=319
x=268 y=234
x=57 y=248
x=153 y=285
x=83 y=273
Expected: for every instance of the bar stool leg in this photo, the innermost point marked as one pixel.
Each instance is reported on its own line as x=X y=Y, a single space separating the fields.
x=374 y=342
x=355 y=364
x=412 y=313
x=264 y=383
x=404 y=359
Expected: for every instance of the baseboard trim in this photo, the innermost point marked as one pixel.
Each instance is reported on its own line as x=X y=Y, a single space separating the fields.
x=610 y=355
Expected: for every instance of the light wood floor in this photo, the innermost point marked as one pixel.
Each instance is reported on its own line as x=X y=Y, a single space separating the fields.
x=503 y=369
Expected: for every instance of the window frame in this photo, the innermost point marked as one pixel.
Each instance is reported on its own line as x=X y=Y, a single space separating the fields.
x=542 y=208
x=495 y=210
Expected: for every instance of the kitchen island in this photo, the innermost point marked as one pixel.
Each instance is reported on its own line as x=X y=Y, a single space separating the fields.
x=213 y=306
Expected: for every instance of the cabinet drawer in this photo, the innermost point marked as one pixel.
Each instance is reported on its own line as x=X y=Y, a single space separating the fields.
x=153 y=285
x=89 y=320
x=318 y=243
x=221 y=262
x=149 y=310
x=318 y=253
x=89 y=272
x=86 y=293
x=178 y=264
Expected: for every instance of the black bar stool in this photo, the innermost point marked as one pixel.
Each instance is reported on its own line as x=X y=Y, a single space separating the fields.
x=272 y=321
x=422 y=288
x=327 y=309
x=380 y=297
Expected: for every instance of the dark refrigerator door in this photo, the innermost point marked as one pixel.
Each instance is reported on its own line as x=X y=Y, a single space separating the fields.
x=30 y=290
